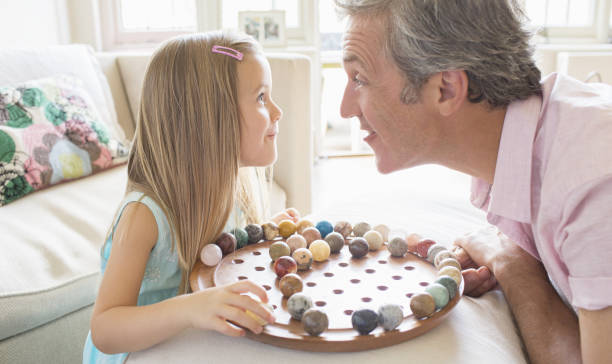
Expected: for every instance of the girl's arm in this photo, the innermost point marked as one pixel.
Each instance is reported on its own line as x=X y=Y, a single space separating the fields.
x=119 y=325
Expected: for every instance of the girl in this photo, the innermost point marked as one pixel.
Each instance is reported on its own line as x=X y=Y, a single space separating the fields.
x=205 y=112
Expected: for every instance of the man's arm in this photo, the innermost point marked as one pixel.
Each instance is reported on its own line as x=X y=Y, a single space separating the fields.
x=549 y=328
x=595 y=334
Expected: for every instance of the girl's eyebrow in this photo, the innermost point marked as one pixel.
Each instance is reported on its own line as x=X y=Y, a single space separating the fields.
x=263 y=85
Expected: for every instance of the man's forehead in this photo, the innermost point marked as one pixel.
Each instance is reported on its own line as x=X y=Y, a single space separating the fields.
x=362 y=42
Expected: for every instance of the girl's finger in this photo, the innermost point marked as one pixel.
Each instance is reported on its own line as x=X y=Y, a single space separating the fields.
x=245 y=302
x=248 y=286
x=241 y=318
x=485 y=287
x=225 y=328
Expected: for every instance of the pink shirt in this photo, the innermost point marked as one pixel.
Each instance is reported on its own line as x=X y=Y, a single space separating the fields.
x=552 y=190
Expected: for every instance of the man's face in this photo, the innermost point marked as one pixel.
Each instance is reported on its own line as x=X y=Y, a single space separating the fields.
x=401 y=135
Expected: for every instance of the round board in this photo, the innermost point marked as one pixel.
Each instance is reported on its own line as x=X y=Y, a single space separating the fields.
x=339 y=286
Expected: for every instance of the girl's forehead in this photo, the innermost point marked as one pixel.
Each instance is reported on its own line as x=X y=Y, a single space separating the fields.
x=253 y=73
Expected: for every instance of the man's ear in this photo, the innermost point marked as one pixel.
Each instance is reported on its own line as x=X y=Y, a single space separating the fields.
x=453 y=88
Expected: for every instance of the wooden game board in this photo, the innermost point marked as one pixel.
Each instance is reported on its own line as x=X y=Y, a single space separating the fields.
x=338 y=287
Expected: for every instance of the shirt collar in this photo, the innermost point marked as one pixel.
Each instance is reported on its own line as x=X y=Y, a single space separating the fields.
x=510 y=194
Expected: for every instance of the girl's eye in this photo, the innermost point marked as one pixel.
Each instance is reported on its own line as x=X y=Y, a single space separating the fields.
x=260 y=98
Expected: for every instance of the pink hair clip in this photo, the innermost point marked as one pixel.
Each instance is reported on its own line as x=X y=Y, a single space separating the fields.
x=227 y=51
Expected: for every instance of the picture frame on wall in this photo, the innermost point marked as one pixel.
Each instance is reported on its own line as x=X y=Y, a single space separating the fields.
x=268 y=27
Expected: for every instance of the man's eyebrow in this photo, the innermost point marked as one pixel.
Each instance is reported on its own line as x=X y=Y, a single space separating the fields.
x=351 y=57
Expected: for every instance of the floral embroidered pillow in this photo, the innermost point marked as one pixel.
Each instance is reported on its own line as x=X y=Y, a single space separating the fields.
x=50 y=132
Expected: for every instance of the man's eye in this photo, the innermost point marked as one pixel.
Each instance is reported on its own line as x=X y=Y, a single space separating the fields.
x=357 y=80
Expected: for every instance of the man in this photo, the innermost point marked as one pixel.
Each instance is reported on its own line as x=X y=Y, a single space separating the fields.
x=454 y=83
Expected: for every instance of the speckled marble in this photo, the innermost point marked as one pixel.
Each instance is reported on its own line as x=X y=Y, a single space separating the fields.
x=297 y=304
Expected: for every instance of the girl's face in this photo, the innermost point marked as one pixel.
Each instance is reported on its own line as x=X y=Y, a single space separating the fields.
x=260 y=115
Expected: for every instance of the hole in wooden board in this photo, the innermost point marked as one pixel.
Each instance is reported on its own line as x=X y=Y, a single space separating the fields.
x=409 y=295
x=266 y=287
x=355 y=280
x=343 y=264
x=242 y=278
x=260 y=269
x=397 y=278
x=311 y=284
x=338 y=291
x=238 y=261
x=320 y=303
x=382 y=288
x=256 y=253
x=328 y=274
x=424 y=284
x=348 y=312
x=370 y=270
x=409 y=267
x=382 y=262
x=366 y=299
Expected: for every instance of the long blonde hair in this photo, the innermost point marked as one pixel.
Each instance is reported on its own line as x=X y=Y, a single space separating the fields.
x=186 y=148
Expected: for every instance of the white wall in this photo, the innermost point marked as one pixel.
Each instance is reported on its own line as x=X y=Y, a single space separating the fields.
x=31 y=23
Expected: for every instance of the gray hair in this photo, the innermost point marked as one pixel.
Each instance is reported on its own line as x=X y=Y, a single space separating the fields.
x=487 y=39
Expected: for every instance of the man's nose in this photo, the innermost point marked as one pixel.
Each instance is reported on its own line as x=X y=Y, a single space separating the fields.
x=349 y=106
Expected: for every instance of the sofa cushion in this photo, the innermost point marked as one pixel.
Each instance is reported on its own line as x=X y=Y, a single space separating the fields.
x=20 y=65
x=50 y=248
x=50 y=131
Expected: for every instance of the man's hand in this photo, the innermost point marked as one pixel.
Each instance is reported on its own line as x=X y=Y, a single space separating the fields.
x=478 y=253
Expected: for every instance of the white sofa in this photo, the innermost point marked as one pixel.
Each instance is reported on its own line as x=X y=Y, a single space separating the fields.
x=50 y=240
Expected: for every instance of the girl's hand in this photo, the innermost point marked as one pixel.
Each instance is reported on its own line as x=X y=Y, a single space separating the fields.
x=289 y=214
x=210 y=309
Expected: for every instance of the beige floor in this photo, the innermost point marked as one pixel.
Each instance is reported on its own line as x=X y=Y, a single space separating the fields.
x=430 y=200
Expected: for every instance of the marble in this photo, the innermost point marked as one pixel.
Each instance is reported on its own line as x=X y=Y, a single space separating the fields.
x=413 y=240
x=284 y=265
x=211 y=255
x=422 y=305
x=320 y=250
x=242 y=237
x=364 y=321
x=297 y=304
x=291 y=283
x=227 y=243
x=449 y=262
x=361 y=228
x=315 y=322
x=286 y=228
x=452 y=272
x=303 y=258
x=279 y=249
x=303 y=224
x=325 y=227
x=311 y=234
x=383 y=230
x=255 y=233
x=450 y=284
x=335 y=241
x=296 y=241
x=270 y=230
x=375 y=239
x=443 y=255
x=344 y=227
x=423 y=247
x=398 y=247
x=439 y=294
x=433 y=250
x=390 y=316
x=359 y=247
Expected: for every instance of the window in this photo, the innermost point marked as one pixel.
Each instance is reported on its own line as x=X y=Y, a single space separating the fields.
x=571 y=19
x=130 y=22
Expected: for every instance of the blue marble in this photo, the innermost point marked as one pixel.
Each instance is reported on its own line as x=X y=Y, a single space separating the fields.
x=450 y=284
x=364 y=321
x=325 y=227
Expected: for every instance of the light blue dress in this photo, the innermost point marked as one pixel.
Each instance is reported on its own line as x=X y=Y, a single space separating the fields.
x=162 y=275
